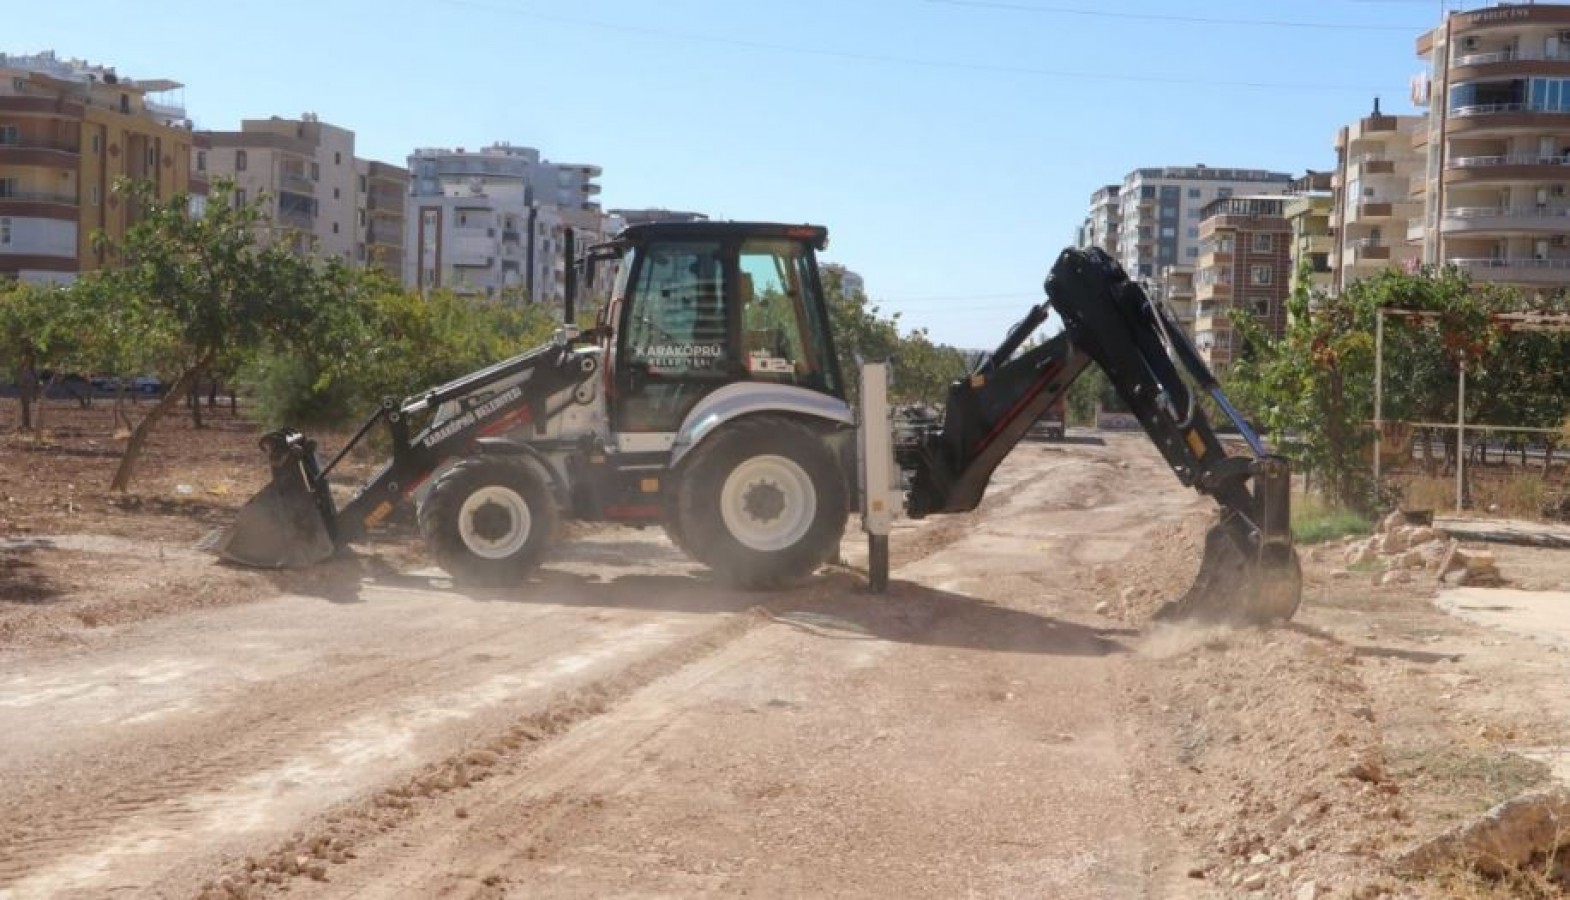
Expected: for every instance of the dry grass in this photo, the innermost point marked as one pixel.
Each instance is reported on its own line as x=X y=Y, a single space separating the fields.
x=1517 y=496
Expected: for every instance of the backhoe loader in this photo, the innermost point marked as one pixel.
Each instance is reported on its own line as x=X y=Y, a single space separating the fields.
x=709 y=399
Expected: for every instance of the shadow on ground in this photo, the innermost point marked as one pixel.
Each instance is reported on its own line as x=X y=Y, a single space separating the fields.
x=835 y=604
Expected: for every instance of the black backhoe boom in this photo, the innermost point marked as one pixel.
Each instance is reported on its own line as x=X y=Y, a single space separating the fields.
x=1249 y=570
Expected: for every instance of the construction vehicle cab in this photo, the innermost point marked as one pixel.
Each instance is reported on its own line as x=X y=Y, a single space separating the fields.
x=699 y=306
x=710 y=399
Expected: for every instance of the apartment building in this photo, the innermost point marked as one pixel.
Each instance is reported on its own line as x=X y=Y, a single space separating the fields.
x=850 y=282
x=303 y=167
x=1101 y=225
x=1496 y=185
x=1308 y=220
x=68 y=130
x=1372 y=209
x=1175 y=286
x=1245 y=262
x=494 y=222
x=1159 y=211
x=382 y=190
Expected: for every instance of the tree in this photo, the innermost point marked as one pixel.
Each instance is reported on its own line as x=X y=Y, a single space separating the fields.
x=201 y=287
x=41 y=327
x=922 y=370
x=1317 y=381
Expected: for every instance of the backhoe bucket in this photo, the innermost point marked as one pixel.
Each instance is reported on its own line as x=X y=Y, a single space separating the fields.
x=1238 y=588
x=288 y=524
x=1250 y=573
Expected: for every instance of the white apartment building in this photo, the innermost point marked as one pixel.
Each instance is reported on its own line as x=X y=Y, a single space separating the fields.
x=494 y=222
x=1496 y=185
x=1101 y=226
x=1159 y=211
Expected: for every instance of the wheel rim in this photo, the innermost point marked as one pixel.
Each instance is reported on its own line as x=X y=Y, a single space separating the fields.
x=494 y=522
x=768 y=503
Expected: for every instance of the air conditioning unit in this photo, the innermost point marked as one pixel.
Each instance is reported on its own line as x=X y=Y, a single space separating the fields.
x=1558 y=240
x=1469 y=43
x=1564 y=37
x=1557 y=190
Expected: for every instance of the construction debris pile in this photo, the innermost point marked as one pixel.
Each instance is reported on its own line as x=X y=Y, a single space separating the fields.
x=1401 y=551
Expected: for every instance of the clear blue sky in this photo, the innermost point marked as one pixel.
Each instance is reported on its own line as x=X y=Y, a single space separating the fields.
x=950 y=146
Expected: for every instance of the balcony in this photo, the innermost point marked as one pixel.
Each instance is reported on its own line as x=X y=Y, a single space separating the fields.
x=38 y=197
x=1512 y=115
x=299 y=184
x=1516 y=270
x=1314 y=243
x=1484 y=219
x=1369 y=250
x=1514 y=167
x=1370 y=164
x=1509 y=55
x=294 y=218
x=28 y=151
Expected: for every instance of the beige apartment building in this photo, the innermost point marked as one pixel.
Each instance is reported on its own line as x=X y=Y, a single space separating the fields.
x=68 y=130
x=1308 y=219
x=1496 y=184
x=320 y=196
x=1372 y=207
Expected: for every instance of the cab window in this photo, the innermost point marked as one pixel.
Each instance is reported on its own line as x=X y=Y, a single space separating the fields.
x=781 y=332
x=677 y=325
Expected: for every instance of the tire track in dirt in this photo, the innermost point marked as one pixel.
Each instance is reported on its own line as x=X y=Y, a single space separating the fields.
x=281 y=750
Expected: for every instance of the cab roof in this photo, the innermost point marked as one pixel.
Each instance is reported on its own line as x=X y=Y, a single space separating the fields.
x=816 y=235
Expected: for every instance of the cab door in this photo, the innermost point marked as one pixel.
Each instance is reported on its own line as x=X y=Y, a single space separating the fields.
x=677 y=340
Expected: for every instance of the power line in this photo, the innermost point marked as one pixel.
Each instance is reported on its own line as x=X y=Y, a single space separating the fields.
x=1164 y=17
x=908 y=60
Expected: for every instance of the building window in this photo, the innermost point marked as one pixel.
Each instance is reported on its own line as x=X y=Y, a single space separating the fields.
x=5 y=231
x=201 y=160
x=9 y=135
x=360 y=216
x=1193 y=193
x=1192 y=253
x=1193 y=231
x=1223 y=193
x=239 y=198
x=335 y=193
x=8 y=187
x=1262 y=243
x=337 y=158
x=362 y=184
x=1260 y=275
x=316 y=172
x=97 y=143
x=92 y=194
x=1260 y=306
x=335 y=228
x=239 y=160
x=1168 y=231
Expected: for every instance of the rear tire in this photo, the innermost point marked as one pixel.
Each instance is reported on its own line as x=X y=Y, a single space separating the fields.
x=762 y=503
x=487 y=520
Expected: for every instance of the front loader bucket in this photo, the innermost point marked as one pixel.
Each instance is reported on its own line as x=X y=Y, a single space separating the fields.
x=287 y=524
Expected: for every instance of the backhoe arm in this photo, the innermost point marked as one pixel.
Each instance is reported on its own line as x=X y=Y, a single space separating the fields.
x=1249 y=570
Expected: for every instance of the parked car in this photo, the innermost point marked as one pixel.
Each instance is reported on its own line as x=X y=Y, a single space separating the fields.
x=147 y=384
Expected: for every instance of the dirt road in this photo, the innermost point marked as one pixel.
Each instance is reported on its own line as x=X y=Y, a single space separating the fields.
x=1000 y=724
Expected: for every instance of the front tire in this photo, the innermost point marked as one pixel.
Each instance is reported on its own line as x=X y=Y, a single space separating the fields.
x=487 y=520
x=762 y=502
